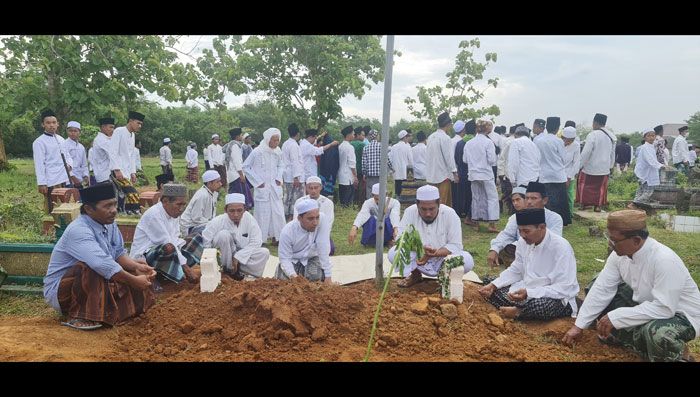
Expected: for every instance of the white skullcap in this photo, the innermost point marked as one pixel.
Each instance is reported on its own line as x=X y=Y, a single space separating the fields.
x=306 y=205
x=215 y=136
x=485 y=120
x=427 y=192
x=73 y=124
x=519 y=189
x=210 y=175
x=313 y=179
x=245 y=135
x=375 y=189
x=569 y=132
x=648 y=130
x=235 y=198
x=402 y=134
x=459 y=126
x=166 y=140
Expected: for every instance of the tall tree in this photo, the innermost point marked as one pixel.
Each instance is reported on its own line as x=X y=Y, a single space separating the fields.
x=694 y=128
x=460 y=95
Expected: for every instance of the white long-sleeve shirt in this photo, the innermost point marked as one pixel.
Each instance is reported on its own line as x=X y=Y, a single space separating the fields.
x=502 y=163
x=192 y=158
x=166 y=155
x=325 y=205
x=103 y=157
x=401 y=159
x=660 y=283
x=293 y=164
x=77 y=154
x=510 y=234
x=308 y=156
x=441 y=158
x=246 y=234
x=235 y=162
x=679 y=150
x=156 y=227
x=523 y=162
x=572 y=161
x=552 y=163
x=137 y=158
x=598 y=155
x=647 y=167
x=298 y=245
x=48 y=164
x=371 y=208
x=263 y=166
x=480 y=156
x=545 y=270
x=123 y=142
x=347 y=163
x=418 y=152
x=216 y=154
x=200 y=210
x=444 y=231
x=692 y=157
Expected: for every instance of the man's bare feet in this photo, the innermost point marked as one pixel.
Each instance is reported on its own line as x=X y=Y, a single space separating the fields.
x=414 y=278
x=509 y=311
x=190 y=274
x=468 y=221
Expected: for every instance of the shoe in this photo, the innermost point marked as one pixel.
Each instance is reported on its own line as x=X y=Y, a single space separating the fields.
x=83 y=325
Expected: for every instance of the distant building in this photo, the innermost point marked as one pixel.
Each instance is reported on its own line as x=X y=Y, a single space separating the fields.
x=671 y=129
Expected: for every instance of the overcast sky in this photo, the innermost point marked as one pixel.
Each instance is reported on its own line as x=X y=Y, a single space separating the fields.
x=638 y=81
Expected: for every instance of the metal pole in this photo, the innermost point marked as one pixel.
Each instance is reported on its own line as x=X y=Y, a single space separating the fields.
x=379 y=268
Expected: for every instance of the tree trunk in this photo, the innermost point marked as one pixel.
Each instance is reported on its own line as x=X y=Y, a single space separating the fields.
x=3 y=156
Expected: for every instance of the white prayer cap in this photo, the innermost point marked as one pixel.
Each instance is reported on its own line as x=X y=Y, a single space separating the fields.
x=648 y=130
x=375 y=189
x=402 y=134
x=427 y=192
x=306 y=205
x=485 y=120
x=73 y=124
x=519 y=189
x=313 y=179
x=235 y=198
x=215 y=136
x=166 y=140
x=569 y=132
x=210 y=175
x=245 y=135
x=459 y=126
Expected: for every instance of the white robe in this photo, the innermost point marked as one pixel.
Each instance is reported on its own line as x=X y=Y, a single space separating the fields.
x=123 y=142
x=216 y=155
x=308 y=156
x=325 y=205
x=242 y=241
x=441 y=158
x=572 y=161
x=299 y=245
x=347 y=163
x=235 y=162
x=48 y=164
x=166 y=155
x=401 y=159
x=370 y=207
x=419 y=160
x=598 y=155
x=191 y=158
x=480 y=157
x=200 y=210
x=510 y=233
x=156 y=227
x=647 y=167
x=293 y=165
x=523 y=162
x=103 y=157
x=265 y=167
x=679 y=150
x=77 y=154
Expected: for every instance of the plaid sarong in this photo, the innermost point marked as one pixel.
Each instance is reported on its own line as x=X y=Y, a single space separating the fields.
x=164 y=257
x=193 y=175
x=127 y=195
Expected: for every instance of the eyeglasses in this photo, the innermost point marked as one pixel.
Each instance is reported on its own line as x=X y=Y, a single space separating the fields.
x=613 y=242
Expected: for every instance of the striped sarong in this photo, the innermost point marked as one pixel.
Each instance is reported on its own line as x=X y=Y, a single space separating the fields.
x=164 y=257
x=193 y=175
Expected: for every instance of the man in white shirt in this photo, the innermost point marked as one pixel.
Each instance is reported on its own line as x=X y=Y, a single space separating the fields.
x=597 y=159
x=541 y=283
x=237 y=235
x=77 y=154
x=157 y=238
x=644 y=298
x=103 y=155
x=462 y=190
x=367 y=220
x=480 y=156
x=293 y=170
x=202 y=207
x=647 y=170
x=553 y=169
x=680 y=151
x=124 y=140
x=192 y=159
x=441 y=234
x=441 y=169
x=692 y=155
x=401 y=160
x=52 y=162
x=309 y=152
x=304 y=245
x=347 y=173
x=572 y=162
x=418 y=152
x=166 y=157
x=313 y=191
x=523 y=159
x=501 y=166
x=233 y=158
x=216 y=158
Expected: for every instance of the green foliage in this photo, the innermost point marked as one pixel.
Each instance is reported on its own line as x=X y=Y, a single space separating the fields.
x=694 y=128
x=623 y=186
x=409 y=241
x=20 y=216
x=460 y=94
x=444 y=274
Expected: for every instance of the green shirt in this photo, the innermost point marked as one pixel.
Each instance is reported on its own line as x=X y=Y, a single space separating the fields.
x=359 y=146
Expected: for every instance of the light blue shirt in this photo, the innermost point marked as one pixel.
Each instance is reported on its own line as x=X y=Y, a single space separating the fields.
x=510 y=234
x=87 y=241
x=552 y=155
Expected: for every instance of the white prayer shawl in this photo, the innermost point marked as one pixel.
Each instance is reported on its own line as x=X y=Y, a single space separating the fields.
x=401 y=159
x=216 y=155
x=48 y=164
x=293 y=164
x=546 y=270
x=510 y=233
x=552 y=164
x=308 y=156
x=660 y=283
x=265 y=166
x=200 y=210
x=325 y=204
x=480 y=157
x=502 y=164
x=156 y=227
x=166 y=155
x=441 y=164
x=103 y=157
x=191 y=158
x=573 y=159
x=299 y=245
x=523 y=162
x=444 y=231
x=418 y=153
x=370 y=208
x=235 y=162
x=77 y=154
x=598 y=155
x=347 y=163
x=246 y=234
x=647 y=167
x=123 y=142
x=679 y=150
x=137 y=158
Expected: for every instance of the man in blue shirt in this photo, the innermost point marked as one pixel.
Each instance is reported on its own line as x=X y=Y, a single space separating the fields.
x=90 y=278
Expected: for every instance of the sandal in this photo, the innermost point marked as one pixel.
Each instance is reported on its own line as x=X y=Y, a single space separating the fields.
x=84 y=325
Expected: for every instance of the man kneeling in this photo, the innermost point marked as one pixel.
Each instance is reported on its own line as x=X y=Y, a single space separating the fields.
x=542 y=279
x=237 y=235
x=91 y=279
